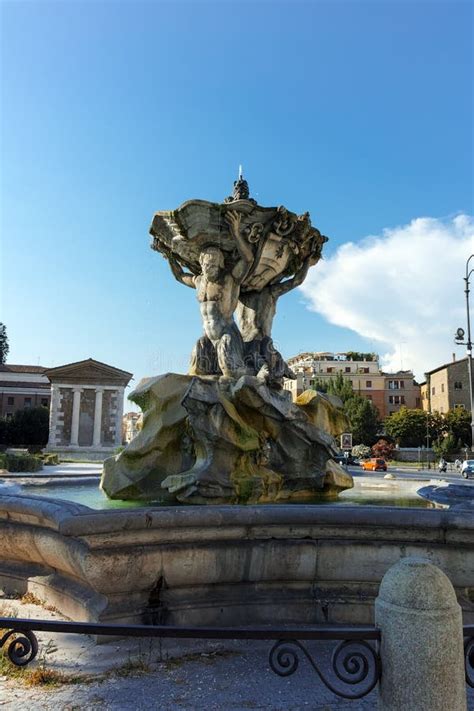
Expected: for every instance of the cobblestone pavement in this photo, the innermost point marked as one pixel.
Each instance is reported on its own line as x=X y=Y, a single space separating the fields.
x=230 y=681
x=221 y=680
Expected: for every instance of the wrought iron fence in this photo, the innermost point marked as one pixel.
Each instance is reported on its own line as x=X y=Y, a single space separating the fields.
x=355 y=667
x=469 y=653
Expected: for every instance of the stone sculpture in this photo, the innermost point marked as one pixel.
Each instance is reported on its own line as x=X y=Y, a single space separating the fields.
x=228 y=432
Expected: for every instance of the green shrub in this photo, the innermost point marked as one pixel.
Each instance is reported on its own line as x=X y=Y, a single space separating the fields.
x=49 y=458
x=28 y=427
x=21 y=463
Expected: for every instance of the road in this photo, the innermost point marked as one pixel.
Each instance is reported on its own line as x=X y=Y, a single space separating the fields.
x=414 y=475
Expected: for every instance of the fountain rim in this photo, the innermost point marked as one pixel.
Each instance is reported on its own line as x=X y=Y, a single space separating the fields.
x=70 y=518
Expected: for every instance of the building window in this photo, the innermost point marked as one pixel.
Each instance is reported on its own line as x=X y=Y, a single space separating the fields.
x=348 y=370
x=10 y=401
x=393 y=384
x=368 y=383
x=433 y=391
x=27 y=402
x=329 y=370
x=365 y=370
x=442 y=387
x=9 y=415
x=44 y=401
x=396 y=399
x=458 y=385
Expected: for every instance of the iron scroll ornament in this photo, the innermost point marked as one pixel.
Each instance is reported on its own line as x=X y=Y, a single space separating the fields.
x=469 y=660
x=22 y=647
x=355 y=663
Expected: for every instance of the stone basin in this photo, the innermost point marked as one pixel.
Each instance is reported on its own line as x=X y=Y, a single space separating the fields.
x=223 y=565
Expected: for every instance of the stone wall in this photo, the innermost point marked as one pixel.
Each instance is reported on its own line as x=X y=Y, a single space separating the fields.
x=224 y=565
x=413 y=454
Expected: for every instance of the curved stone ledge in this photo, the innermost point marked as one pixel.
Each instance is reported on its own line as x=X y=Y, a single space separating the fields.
x=224 y=565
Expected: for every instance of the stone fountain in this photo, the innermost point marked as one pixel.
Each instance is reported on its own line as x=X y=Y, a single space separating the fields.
x=228 y=432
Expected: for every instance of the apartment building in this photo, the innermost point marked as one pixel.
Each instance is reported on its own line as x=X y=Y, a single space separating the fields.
x=131 y=424
x=23 y=386
x=388 y=391
x=447 y=387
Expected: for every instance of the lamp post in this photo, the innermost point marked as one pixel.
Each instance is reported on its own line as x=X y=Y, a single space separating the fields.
x=428 y=437
x=459 y=338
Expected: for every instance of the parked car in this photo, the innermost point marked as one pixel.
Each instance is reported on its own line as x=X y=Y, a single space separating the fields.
x=341 y=459
x=467 y=468
x=374 y=465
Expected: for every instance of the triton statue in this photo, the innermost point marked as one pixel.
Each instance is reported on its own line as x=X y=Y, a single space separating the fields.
x=241 y=259
x=227 y=432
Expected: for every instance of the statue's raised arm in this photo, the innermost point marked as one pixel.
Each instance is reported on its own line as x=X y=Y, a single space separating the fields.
x=179 y=273
x=240 y=270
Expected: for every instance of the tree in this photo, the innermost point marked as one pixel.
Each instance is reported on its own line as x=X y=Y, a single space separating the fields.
x=363 y=416
x=364 y=419
x=4 y=347
x=457 y=422
x=361 y=451
x=357 y=356
x=338 y=385
x=409 y=427
x=29 y=427
x=447 y=445
x=383 y=449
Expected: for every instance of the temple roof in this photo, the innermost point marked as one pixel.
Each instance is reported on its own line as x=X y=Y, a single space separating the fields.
x=88 y=371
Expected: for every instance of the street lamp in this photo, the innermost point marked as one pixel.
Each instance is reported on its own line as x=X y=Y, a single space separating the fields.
x=459 y=339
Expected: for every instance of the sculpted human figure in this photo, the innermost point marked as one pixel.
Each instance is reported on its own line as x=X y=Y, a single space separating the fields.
x=255 y=313
x=218 y=294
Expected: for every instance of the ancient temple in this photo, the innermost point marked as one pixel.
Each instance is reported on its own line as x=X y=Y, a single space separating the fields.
x=86 y=409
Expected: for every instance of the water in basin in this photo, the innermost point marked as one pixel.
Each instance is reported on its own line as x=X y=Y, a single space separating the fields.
x=89 y=494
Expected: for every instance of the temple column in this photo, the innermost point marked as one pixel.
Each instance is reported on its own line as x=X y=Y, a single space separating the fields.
x=118 y=425
x=97 y=417
x=53 y=415
x=76 y=409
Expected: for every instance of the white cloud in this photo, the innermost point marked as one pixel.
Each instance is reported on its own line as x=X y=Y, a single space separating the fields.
x=402 y=289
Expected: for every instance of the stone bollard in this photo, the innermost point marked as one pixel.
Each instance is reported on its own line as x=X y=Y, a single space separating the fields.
x=422 y=641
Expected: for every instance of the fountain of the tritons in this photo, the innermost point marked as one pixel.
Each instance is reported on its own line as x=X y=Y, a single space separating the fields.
x=221 y=520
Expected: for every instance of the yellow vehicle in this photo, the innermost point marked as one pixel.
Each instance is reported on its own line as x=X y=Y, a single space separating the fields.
x=374 y=465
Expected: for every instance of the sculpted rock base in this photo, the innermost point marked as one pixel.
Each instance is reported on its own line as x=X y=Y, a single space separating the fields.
x=209 y=440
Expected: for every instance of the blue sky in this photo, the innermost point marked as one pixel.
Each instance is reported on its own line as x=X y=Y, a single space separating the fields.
x=360 y=112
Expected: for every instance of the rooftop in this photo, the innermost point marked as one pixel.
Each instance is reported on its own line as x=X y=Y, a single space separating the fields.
x=10 y=368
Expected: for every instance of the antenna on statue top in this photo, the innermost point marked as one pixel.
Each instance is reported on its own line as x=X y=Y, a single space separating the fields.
x=240 y=191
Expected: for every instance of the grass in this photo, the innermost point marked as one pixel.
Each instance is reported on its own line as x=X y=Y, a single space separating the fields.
x=30 y=598
x=411 y=465
x=203 y=658
x=132 y=666
x=40 y=675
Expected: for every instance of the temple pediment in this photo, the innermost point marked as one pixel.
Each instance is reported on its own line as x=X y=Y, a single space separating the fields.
x=88 y=371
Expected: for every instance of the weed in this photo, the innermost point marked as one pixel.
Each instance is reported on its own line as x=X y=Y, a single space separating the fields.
x=6 y=610
x=132 y=666
x=30 y=598
x=41 y=676
x=203 y=658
